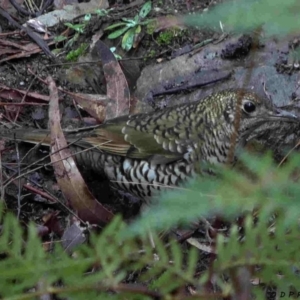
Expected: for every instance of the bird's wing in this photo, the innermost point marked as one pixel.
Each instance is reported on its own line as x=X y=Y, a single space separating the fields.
x=158 y=135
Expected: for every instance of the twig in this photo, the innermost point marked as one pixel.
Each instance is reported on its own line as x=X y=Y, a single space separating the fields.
x=2 y=190
x=288 y=154
x=41 y=43
x=23 y=99
x=19 y=181
x=39 y=192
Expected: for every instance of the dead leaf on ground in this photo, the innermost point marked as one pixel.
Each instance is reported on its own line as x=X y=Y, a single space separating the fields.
x=96 y=105
x=73 y=237
x=53 y=223
x=116 y=84
x=70 y=12
x=17 y=95
x=19 y=98
x=68 y=177
x=11 y=50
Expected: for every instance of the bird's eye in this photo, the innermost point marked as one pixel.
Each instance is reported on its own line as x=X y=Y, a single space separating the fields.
x=249 y=107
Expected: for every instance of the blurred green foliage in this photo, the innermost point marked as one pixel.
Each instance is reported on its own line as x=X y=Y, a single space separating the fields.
x=275 y=17
x=266 y=249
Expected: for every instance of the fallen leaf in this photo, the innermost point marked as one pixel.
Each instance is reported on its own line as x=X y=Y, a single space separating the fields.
x=17 y=95
x=68 y=177
x=72 y=237
x=98 y=106
x=116 y=84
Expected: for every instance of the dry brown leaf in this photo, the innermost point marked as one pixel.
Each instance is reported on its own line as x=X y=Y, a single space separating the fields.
x=96 y=105
x=68 y=177
x=17 y=95
x=116 y=83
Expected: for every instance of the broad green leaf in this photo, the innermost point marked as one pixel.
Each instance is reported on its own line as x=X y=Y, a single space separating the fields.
x=130 y=22
x=128 y=38
x=145 y=9
x=138 y=29
x=127 y=20
x=137 y=32
x=117 y=33
x=77 y=27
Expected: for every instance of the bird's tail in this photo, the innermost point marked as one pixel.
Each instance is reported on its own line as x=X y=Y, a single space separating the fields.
x=32 y=136
x=90 y=159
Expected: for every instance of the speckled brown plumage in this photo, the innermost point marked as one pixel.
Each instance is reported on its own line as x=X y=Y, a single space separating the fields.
x=142 y=153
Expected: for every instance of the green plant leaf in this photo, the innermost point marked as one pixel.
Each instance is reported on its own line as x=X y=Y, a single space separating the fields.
x=77 y=27
x=60 y=38
x=128 y=38
x=127 y=20
x=87 y=17
x=145 y=9
x=138 y=29
x=117 y=33
x=130 y=22
x=102 y=12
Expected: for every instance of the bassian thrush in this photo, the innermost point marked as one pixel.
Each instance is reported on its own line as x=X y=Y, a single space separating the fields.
x=142 y=153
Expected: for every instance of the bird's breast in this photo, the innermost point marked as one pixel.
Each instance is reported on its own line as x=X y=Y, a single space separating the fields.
x=143 y=178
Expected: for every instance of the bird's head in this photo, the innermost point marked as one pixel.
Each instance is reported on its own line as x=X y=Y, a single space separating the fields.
x=252 y=111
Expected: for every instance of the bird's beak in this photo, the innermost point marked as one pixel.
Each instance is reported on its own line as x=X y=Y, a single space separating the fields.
x=283 y=115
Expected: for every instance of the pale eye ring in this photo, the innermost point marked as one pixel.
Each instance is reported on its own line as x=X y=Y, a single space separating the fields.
x=249 y=107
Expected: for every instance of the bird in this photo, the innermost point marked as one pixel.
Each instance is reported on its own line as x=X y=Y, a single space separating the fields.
x=145 y=153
